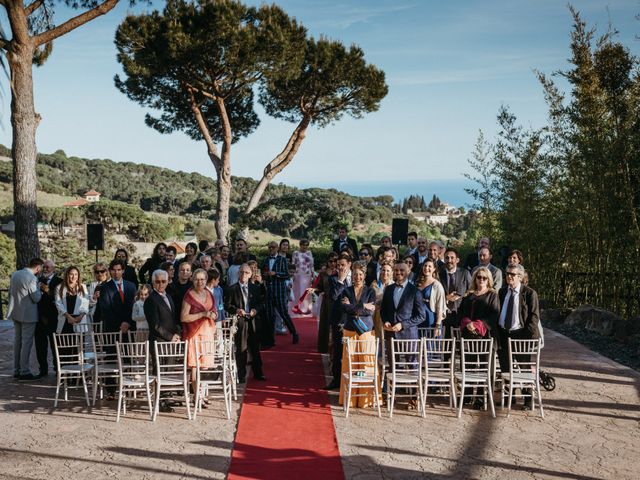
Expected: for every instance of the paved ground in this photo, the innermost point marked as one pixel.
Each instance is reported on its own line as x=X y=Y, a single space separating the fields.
x=591 y=430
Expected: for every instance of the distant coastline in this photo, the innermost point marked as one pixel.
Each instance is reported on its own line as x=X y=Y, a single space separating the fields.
x=449 y=191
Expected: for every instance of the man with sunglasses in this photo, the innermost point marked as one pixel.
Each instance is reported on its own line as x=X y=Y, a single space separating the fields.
x=519 y=317
x=161 y=312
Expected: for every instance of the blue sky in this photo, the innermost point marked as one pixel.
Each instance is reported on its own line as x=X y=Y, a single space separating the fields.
x=449 y=66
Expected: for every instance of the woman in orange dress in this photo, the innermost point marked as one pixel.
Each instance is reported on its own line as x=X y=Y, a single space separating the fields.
x=198 y=317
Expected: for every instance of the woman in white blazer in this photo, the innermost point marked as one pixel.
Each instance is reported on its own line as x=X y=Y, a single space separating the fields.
x=72 y=302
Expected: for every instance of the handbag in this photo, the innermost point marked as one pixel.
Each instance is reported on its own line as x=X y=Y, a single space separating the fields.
x=361 y=327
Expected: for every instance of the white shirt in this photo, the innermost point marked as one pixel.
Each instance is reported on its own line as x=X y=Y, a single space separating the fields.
x=398 y=291
x=516 y=306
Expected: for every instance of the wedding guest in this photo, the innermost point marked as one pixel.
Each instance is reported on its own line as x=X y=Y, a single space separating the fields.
x=515 y=257
x=178 y=288
x=242 y=247
x=129 y=271
x=412 y=243
x=358 y=304
x=72 y=302
x=275 y=272
x=213 y=285
x=152 y=263
x=339 y=281
x=284 y=250
x=198 y=315
x=433 y=295
x=138 y=307
x=170 y=269
x=234 y=269
x=47 y=316
x=386 y=279
x=323 y=290
x=409 y=259
x=343 y=241
x=304 y=269
x=190 y=255
x=101 y=276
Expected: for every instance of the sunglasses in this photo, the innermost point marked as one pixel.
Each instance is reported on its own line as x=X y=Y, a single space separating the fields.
x=364 y=254
x=482 y=278
x=99 y=271
x=511 y=274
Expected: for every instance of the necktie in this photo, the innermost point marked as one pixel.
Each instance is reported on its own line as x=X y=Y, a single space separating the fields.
x=166 y=300
x=452 y=283
x=245 y=297
x=121 y=292
x=508 y=321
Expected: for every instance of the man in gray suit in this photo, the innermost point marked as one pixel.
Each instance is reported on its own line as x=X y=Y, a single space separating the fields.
x=24 y=295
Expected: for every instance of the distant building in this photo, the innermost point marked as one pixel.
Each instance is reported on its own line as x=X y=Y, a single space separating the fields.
x=89 y=197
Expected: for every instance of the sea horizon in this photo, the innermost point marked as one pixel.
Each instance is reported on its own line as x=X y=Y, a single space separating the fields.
x=450 y=191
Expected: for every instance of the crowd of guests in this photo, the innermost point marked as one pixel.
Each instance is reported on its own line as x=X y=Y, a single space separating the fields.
x=357 y=293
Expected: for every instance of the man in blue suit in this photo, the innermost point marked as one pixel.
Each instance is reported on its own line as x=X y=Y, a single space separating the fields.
x=116 y=300
x=402 y=308
x=275 y=272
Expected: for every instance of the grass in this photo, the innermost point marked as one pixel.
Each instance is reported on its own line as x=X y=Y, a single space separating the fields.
x=43 y=199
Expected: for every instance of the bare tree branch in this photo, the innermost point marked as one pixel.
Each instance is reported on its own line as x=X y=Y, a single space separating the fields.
x=32 y=7
x=74 y=22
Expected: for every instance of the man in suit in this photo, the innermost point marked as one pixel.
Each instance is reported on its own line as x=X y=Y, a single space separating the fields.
x=472 y=260
x=244 y=300
x=420 y=256
x=373 y=268
x=161 y=312
x=116 y=300
x=337 y=284
x=24 y=295
x=412 y=243
x=47 y=316
x=275 y=272
x=456 y=282
x=484 y=260
x=402 y=308
x=242 y=247
x=434 y=254
x=519 y=317
x=343 y=240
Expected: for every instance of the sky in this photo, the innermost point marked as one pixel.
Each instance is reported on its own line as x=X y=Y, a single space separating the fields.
x=449 y=65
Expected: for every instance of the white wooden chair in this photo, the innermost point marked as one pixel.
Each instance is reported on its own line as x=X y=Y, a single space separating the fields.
x=405 y=372
x=133 y=370
x=430 y=332
x=138 y=336
x=362 y=358
x=476 y=358
x=70 y=363
x=216 y=377
x=106 y=360
x=439 y=355
x=171 y=372
x=524 y=365
x=228 y=331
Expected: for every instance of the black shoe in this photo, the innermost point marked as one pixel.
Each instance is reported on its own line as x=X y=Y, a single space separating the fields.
x=527 y=406
x=333 y=385
x=165 y=407
x=296 y=338
x=260 y=377
x=16 y=376
x=43 y=374
x=241 y=380
x=478 y=405
x=29 y=377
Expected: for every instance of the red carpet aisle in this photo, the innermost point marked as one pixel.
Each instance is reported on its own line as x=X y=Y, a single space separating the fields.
x=285 y=428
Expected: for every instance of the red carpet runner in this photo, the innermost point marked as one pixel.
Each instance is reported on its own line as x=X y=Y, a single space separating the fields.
x=285 y=428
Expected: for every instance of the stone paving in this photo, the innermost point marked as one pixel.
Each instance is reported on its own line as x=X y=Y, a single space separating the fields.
x=591 y=431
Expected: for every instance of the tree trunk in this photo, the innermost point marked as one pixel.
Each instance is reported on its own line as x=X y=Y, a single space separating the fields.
x=277 y=164
x=224 y=174
x=24 y=122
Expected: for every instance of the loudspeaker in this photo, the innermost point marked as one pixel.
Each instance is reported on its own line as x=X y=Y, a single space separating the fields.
x=399 y=231
x=95 y=236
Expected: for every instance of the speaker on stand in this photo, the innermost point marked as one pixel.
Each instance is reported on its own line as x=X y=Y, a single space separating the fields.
x=95 y=237
x=399 y=231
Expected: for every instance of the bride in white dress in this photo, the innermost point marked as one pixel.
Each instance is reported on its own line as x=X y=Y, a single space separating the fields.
x=303 y=262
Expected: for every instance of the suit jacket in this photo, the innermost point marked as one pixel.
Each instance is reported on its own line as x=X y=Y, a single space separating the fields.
x=350 y=241
x=356 y=309
x=233 y=301
x=471 y=261
x=163 y=321
x=276 y=284
x=112 y=310
x=528 y=311
x=417 y=265
x=24 y=295
x=410 y=311
x=372 y=272
x=336 y=289
x=461 y=283
x=47 y=310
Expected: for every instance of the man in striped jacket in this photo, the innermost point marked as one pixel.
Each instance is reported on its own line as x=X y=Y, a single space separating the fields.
x=275 y=272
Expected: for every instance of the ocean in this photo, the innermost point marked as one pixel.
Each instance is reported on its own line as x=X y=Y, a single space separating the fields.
x=449 y=191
